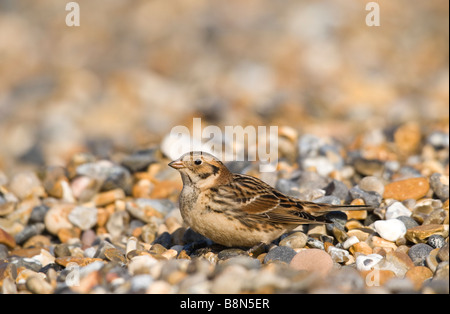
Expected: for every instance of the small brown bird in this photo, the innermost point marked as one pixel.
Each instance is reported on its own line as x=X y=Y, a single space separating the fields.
x=240 y=210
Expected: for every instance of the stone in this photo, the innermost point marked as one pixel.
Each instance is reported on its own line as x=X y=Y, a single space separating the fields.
x=148 y=209
x=44 y=258
x=140 y=160
x=397 y=209
x=338 y=189
x=280 y=253
x=443 y=253
x=369 y=167
x=230 y=253
x=81 y=261
x=440 y=185
x=414 y=188
x=115 y=255
x=442 y=272
x=312 y=260
x=338 y=255
x=421 y=233
x=408 y=221
x=360 y=248
x=117 y=223
x=391 y=230
x=436 y=241
x=432 y=260
x=382 y=243
x=38 y=285
x=367 y=262
x=377 y=277
x=38 y=213
x=27 y=183
x=397 y=262
x=418 y=275
x=371 y=183
x=370 y=198
x=419 y=252
x=57 y=217
x=83 y=217
x=349 y=242
x=356 y=214
x=108 y=197
x=7 y=239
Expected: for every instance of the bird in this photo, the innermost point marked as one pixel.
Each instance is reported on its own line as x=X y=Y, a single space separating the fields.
x=238 y=210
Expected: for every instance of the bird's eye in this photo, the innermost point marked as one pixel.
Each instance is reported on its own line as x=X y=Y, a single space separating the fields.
x=198 y=162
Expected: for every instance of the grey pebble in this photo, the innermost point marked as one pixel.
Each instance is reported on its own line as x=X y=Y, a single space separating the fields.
x=371 y=198
x=408 y=221
x=280 y=253
x=28 y=232
x=436 y=241
x=38 y=213
x=139 y=160
x=338 y=189
x=230 y=253
x=419 y=252
x=328 y=199
x=440 y=189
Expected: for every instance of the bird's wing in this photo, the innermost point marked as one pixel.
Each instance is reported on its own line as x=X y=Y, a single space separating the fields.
x=251 y=196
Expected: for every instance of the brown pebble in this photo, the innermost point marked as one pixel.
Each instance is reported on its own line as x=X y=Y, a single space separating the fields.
x=7 y=239
x=418 y=275
x=313 y=260
x=81 y=261
x=414 y=188
x=420 y=234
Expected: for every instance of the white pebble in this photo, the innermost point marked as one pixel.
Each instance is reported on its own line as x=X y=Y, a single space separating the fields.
x=396 y=210
x=349 y=242
x=338 y=255
x=367 y=262
x=391 y=230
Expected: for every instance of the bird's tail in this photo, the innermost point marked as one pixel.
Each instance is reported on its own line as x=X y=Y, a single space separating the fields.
x=320 y=208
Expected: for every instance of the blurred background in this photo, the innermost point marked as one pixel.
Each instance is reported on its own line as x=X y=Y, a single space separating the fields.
x=134 y=69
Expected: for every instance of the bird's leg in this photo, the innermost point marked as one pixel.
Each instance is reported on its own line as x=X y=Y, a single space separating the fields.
x=257 y=249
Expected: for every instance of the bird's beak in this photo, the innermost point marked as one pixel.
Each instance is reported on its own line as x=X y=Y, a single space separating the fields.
x=177 y=164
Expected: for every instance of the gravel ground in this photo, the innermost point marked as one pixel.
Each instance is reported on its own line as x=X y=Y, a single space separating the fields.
x=89 y=205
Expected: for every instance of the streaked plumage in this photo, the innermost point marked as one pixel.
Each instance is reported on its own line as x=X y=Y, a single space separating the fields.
x=239 y=210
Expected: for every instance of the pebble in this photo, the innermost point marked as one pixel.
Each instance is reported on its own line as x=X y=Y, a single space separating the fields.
x=295 y=240
x=280 y=253
x=367 y=262
x=83 y=217
x=443 y=253
x=420 y=234
x=25 y=184
x=57 y=217
x=408 y=221
x=440 y=185
x=397 y=262
x=338 y=189
x=397 y=209
x=414 y=188
x=338 y=255
x=418 y=275
x=436 y=241
x=419 y=252
x=349 y=242
x=7 y=239
x=370 y=198
x=371 y=183
x=314 y=260
x=391 y=230
x=38 y=285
